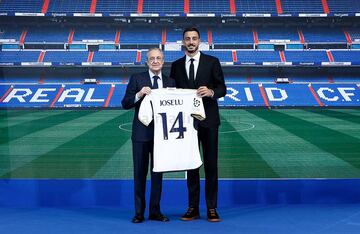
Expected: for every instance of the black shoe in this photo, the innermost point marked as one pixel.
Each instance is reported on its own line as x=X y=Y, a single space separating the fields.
x=213 y=215
x=191 y=214
x=159 y=217
x=138 y=219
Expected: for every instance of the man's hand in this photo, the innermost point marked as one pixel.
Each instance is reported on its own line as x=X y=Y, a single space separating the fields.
x=203 y=91
x=144 y=91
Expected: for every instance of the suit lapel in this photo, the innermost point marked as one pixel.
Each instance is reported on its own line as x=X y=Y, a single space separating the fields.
x=147 y=80
x=201 y=67
x=165 y=81
x=183 y=71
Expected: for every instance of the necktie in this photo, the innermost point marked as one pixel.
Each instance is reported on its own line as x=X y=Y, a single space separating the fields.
x=155 y=84
x=192 y=74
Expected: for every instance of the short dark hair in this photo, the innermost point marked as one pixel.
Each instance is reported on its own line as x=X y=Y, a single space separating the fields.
x=190 y=29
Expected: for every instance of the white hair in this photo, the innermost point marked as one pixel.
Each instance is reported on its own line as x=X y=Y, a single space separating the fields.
x=154 y=48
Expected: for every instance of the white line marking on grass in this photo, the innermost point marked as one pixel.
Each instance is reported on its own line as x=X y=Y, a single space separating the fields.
x=124 y=128
x=239 y=128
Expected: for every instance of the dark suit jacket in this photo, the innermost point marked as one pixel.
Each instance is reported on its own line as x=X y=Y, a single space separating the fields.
x=209 y=74
x=140 y=132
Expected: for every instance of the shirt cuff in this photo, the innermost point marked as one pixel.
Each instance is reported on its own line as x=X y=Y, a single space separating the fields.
x=212 y=93
x=136 y=98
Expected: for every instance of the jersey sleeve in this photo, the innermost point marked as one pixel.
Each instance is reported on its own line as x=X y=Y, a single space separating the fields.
x=145 y=114
x=198 y=111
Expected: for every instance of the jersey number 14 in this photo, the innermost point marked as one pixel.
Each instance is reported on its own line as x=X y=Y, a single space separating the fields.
x=178 y=121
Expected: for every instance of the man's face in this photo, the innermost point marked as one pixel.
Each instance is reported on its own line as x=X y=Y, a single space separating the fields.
x=191 y=41
x=155 y=61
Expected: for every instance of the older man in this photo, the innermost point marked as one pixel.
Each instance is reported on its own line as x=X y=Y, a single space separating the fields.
x=140 y=85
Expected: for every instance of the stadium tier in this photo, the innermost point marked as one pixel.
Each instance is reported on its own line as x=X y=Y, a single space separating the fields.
x=206 y=8
x=241 y=38
x=290 y=114
x=153 y=34
x=136 y=57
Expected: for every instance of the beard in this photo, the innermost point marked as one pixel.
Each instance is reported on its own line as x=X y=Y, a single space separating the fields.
x=195 y=48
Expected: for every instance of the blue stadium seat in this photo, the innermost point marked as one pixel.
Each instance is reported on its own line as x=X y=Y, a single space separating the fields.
x=262 y=79
x=309 y=79
x=354 y=33
x=140 y=35
x=66 y=56
x=175 y=34
x=231 y=35
x=95 y=33
x=344 y=6
x=347 y=79
x=252 y=56
x=306 y=56
x=177 y=6
x=19 y=56
x=69 y=6
x=277 y=33
x=23 y=6
x=47 y=34
x=260 y=6
x=153 y=35
x=163 y=6
x=302 y=6
x=8 y=32
x=346 y=56
x=324 y=34
x=117 y=6
x=170 y=56
x=210 y=6
x=223 y=56
x=115 y=56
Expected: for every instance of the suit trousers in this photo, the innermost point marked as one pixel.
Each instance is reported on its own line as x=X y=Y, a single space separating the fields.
x=142 y=153
x=208 y=139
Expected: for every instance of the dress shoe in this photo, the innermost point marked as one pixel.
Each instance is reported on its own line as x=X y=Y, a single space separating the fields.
x=138 y=219
x=213 y=215
x=191 y=214
x=159 y=217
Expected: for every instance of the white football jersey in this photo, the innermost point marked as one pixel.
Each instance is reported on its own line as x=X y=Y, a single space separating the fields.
x=176 y=145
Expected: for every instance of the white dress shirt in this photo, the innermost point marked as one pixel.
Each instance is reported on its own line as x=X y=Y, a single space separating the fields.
x=196 y=64
x=160 y=83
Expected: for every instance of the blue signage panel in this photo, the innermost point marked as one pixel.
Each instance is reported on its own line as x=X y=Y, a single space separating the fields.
x=289 y=95
x=338 y=94
x=119 y=92
x=30 y=95
x=242 y=95
x=88 y=95
x=100 y=95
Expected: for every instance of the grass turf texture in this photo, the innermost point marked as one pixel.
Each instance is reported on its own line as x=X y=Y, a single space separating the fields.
x=254 y=143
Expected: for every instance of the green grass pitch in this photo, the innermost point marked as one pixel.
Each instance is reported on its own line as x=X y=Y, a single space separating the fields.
x=253 y=143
